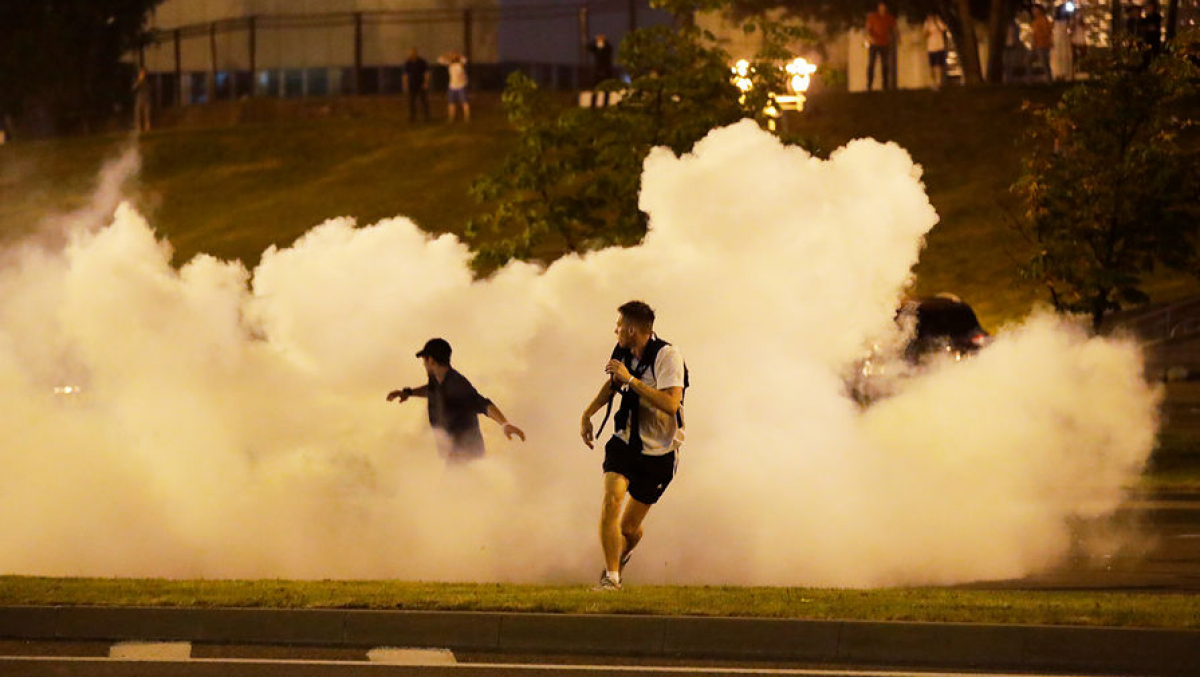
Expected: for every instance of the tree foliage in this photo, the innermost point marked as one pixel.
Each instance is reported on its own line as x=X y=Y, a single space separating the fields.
x=571 y=184
x=1107 y=193
x=61 y=59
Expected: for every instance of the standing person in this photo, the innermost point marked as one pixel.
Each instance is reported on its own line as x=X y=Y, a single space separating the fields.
x=881 y=30
x=141 y=102
x=416 y=83
x=454 y=406
x=1043 y=39
x=641 y=457
x=457 y=93
x=1150 y=27
x=935 y=46
x=602 y=66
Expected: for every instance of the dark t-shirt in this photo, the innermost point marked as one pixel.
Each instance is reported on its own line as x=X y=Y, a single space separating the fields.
x=415 y=70
x=454 y=407
x=602 y=56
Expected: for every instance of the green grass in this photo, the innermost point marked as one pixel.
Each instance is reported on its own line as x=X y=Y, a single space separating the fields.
x=920 y=604
x=232 y=191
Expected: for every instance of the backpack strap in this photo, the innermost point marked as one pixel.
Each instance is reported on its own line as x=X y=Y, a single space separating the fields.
x=618 y=353
x=627 y=414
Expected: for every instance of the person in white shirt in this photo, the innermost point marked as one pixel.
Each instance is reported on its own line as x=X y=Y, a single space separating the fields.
x=935 y=46
x=641 y=457
x=456 y=64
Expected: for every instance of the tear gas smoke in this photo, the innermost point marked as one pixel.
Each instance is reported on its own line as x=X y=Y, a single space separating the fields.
x=233 y=423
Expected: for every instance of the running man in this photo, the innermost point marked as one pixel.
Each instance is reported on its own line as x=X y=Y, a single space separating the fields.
x=454 y=406
x=641 y=457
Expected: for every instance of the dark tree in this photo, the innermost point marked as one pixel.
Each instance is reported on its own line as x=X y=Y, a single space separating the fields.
x=61 y=59
x=1107 y=193
x=571 y=183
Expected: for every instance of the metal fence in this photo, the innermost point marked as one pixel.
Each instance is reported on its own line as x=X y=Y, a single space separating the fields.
x=362 y=53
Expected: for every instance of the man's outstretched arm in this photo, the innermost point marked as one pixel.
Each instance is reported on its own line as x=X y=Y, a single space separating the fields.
x=405 y=393
x=494 y=413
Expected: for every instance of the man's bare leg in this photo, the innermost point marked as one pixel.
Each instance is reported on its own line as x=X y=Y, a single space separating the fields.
x=611 y=540
x=631 y=524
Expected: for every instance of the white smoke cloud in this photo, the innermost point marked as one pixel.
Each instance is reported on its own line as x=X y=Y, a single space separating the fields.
x=232 y=423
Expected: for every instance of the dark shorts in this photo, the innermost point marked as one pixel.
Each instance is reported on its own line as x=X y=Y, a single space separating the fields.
x=457 y=95
x=648 y=475
x=937 y=58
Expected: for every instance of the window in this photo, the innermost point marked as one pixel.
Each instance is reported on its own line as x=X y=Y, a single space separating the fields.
x=317 y=82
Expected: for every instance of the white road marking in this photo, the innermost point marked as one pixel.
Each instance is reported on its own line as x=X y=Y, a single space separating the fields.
x=151 y=651
x=410 y=656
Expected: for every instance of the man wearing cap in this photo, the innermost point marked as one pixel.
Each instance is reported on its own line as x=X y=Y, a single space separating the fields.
x=454 y=405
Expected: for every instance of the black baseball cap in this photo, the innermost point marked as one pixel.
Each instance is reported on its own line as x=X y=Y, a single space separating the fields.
x=438 y=349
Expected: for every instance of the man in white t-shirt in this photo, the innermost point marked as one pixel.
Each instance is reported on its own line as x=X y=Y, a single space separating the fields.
x=456 y=67
x=935 y=47
x=641 y=457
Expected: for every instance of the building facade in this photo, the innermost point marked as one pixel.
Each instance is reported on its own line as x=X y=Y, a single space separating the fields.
x=206 y=50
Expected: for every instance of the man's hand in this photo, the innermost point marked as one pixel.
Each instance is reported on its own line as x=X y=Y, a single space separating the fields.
x=586 y=432
x=402 y=394
x=616 y=368
x=510 y=430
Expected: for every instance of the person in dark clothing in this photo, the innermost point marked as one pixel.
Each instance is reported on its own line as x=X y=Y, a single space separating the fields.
x=416 y=83
x=454 y=405
x=1150 y=27
x=602 y=67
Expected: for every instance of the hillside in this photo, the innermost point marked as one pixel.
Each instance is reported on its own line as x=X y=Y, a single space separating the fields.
x=233 y=178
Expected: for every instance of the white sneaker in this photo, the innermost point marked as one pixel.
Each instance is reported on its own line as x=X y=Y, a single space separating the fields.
x=606 y=584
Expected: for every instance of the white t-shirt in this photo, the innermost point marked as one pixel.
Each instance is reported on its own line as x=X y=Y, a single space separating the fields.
x=661 y=433
x=457 y=71
x=935 y=34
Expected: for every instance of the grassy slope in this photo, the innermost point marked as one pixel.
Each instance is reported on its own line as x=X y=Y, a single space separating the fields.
x=920 y=604
x=232 y=191
x=968 y=142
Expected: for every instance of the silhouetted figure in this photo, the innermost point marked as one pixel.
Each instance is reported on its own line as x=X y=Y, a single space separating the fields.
x=141 y=102
x=456 y=94
x=1043 y=41
x=602 y=66
x=881 y=37
x=416 y=83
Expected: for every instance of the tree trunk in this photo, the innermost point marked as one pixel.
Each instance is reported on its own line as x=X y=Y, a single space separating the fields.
x=1172 y=18
x=968 y=46
x=999 y=14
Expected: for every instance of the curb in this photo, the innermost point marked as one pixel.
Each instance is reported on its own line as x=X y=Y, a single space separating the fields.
x=949 y=645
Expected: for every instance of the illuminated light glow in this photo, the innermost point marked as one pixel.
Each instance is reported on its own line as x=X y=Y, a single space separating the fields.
x=801 y=71
x=66 y=390
x=791 y=101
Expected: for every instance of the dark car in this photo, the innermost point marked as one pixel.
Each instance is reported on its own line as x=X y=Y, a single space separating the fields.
x=936 y=325
x=943 y=324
